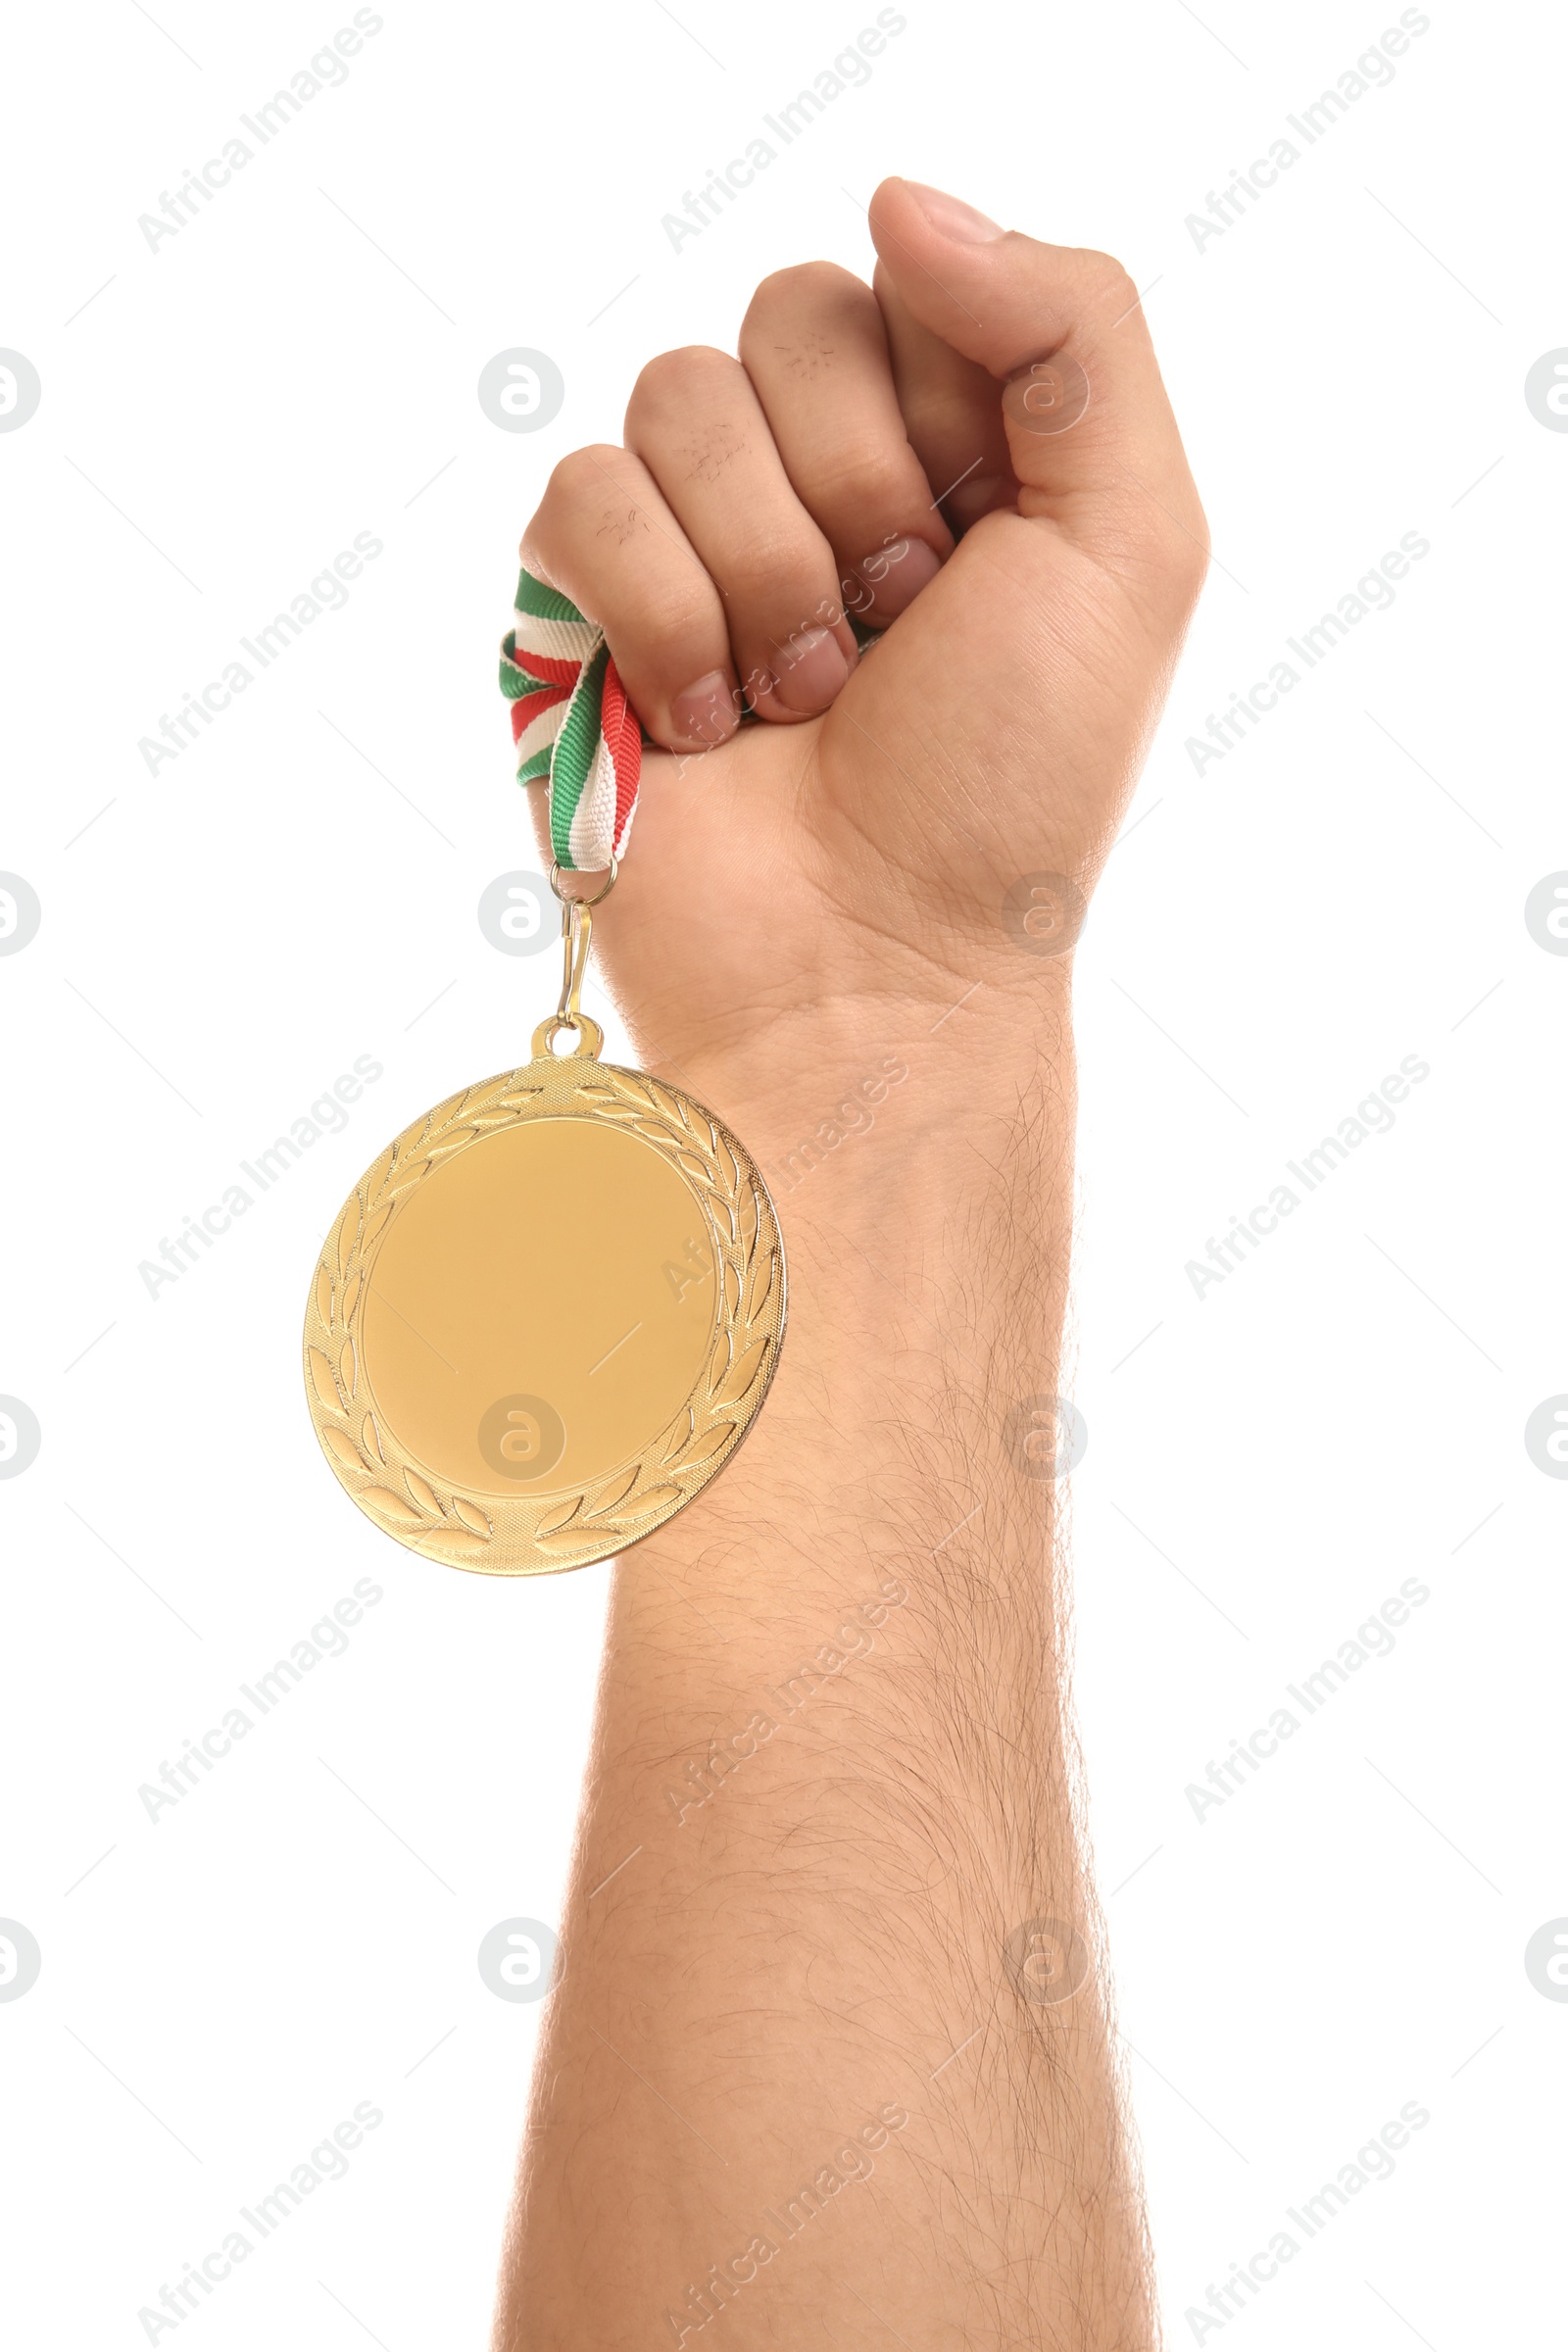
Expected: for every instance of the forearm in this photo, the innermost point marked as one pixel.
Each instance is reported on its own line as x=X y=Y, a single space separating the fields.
x=830 y=1797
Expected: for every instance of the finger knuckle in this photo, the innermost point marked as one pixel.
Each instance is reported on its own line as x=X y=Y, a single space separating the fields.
x=1105 y=278
x=862 y=478
x=581 y=476
x=679 y=635
x=1178 y=553
x=1188 y=558
x=675 y=379
x=777 y=572
x=804 y=286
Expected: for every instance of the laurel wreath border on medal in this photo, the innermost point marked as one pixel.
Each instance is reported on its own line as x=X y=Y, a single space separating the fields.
x=494 y=1535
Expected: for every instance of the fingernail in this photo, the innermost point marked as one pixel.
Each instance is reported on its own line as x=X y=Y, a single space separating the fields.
x=892 y=577
x=811 y=674
x=703 y=712
x=951 y=218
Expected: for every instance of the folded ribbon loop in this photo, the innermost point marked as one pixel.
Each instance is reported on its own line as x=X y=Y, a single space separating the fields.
x=572 y=725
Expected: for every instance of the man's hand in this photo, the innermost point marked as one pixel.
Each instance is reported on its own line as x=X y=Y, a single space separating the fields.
x=831 y=2058
x=1036 y=557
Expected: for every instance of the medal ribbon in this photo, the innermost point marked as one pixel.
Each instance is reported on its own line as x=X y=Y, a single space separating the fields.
x=572 y=726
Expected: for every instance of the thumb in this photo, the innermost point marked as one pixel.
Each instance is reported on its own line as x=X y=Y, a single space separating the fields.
x=1060 y=330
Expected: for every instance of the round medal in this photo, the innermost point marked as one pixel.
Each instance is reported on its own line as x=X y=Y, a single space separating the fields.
x=546 y=1316
x=549 y=1313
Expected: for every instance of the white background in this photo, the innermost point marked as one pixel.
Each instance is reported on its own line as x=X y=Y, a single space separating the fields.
x=220 y=940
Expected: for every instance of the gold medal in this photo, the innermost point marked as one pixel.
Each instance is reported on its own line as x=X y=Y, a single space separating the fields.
x=550 y=1311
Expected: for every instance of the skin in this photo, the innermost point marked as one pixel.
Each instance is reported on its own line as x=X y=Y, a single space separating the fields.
x=827 y=1962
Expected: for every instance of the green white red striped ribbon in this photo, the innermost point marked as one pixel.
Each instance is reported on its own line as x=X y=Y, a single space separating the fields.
x=573 y=724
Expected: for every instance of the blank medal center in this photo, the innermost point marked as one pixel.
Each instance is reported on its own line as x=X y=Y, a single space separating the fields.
x=559 y=1263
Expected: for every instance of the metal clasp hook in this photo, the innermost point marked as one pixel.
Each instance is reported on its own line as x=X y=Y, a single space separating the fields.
x=576 y=937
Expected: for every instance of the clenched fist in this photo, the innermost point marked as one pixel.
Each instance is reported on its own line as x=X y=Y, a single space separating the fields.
x=976 y=457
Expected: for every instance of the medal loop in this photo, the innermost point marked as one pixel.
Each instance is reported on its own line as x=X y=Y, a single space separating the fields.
x=598 y=897
x=589 y=1037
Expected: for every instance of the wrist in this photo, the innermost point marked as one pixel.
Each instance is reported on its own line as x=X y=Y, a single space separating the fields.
x=848 y=1103
x=927 y=1252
